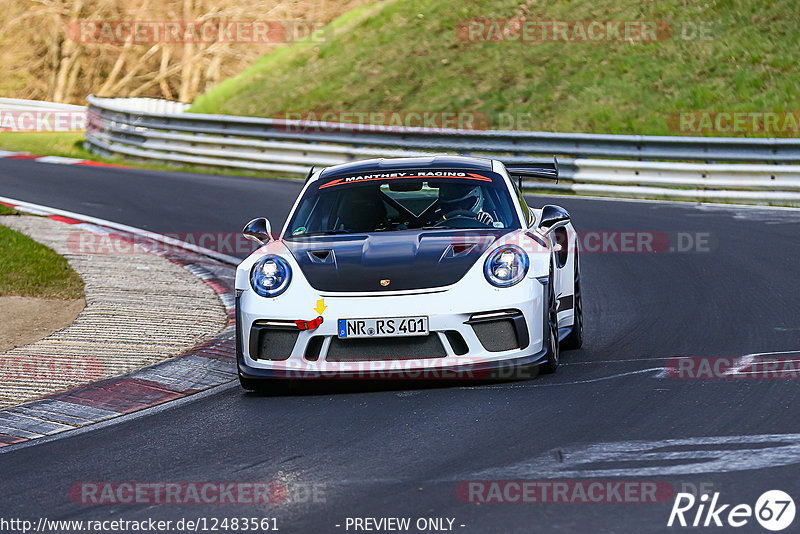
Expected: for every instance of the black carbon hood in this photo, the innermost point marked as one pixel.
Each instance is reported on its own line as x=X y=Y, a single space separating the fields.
x=406 y=259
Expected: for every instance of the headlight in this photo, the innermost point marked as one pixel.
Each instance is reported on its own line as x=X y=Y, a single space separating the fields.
x=506 y=266
x=270 y=276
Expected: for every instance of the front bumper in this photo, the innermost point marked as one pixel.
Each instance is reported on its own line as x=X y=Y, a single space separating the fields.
x=310 y=354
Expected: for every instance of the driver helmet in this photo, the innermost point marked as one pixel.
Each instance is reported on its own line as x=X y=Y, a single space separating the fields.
x=453 y=197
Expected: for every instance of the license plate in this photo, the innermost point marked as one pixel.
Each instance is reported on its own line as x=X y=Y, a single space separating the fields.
x=383 y=327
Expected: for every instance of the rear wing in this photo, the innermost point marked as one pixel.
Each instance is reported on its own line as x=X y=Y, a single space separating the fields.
x=547 y=171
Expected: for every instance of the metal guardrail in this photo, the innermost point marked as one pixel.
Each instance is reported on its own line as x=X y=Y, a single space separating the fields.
x=161 y=131
x=146 y=105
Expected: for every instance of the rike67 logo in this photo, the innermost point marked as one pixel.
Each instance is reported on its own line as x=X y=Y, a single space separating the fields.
x=774 y=510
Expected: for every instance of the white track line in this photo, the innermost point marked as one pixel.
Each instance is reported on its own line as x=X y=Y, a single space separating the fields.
x=39 y=209
x=683 y=203
x=575 y=382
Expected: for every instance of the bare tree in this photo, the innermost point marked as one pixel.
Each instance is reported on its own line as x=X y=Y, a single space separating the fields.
x=64 y=50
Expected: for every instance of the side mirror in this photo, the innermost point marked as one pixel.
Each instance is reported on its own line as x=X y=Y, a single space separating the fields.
x=258 y=230
x=553 y=217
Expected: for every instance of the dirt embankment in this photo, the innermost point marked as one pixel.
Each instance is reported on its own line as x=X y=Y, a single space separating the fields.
x=24 y=320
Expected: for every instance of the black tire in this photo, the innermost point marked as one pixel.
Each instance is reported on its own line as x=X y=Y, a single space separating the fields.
x=575 y=338
x=551 y=335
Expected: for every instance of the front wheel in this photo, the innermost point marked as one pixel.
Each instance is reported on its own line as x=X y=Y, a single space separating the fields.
x=551 y=330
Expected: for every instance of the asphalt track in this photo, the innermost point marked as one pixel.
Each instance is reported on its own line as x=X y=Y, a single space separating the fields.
x=389 y=451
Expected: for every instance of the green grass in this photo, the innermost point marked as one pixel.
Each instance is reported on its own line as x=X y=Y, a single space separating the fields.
x=30 y=269
x=406 y=55
x=5 y=210
x=51 y=144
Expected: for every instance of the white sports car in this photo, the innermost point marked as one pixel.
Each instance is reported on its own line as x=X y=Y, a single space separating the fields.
x=410 y=268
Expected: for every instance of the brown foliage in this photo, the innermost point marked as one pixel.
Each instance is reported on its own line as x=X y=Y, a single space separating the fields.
x=64 y=50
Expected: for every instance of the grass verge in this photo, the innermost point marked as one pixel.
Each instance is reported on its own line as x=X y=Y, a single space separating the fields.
x=47 y=144
x=412 y=55
x=30 y=269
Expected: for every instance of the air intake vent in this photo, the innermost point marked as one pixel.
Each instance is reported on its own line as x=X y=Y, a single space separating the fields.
x=497 y=336
x=456 y=250
x=271 y=340
x=457 y=342
x=388 y=348
x=314 y=348
x=322 y=256
x=500 y=330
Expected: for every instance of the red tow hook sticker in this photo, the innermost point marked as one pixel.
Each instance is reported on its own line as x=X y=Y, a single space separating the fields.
x=309 y=325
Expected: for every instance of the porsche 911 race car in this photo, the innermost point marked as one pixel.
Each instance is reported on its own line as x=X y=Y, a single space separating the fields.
x=428 y=267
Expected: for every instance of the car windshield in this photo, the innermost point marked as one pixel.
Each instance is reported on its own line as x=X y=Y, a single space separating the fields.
x=412 y=200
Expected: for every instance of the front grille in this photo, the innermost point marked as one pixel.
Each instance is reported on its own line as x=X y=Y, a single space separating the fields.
x=386 y=348
x=272 y=342
x=497 y=336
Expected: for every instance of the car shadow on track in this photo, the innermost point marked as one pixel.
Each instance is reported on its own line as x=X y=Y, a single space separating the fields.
x=282 y=388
